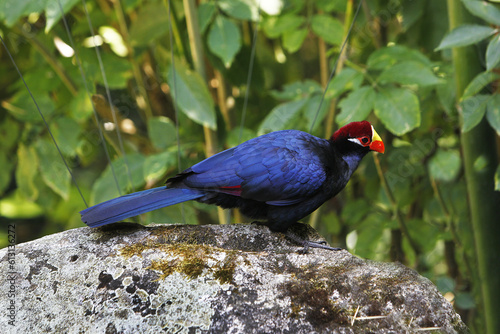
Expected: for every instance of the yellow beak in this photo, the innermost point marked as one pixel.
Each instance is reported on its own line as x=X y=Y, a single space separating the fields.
x=377 y=144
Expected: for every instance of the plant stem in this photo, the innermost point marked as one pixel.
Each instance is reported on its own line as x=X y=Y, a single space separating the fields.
x=179 y=42
x=195 y=37
x=199 y=65
x=139 y=79
x=375 y=25
x=330 y=121
x=323 y=65
x=361 y=70
x=229 y=119
x=323 y=70
x=450 y=224
x=478 y=146
x=397 y=213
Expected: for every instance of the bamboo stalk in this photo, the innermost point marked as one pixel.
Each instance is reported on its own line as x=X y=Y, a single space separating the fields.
x=484 y=201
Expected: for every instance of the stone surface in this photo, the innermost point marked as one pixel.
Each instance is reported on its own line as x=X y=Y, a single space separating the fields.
x=127 y=278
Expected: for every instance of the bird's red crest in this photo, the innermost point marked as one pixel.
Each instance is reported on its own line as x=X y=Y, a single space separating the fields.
x=353 y=130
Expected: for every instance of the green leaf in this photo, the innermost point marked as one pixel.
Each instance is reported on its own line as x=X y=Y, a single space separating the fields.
x=191 y=95
x=447 y=96
x=224 y=39
x=292 y=40
x=161 y=131
x=431 y=28
x=312 y=113
x=388 y=56
x=493 y=112
x=330 y=5
x=445 y=165
x=174 y=214
x=9 y=134
x=328 y=28
x=347 y=79
x=466 y=34
x=274 y=26
x=473 y=110
x=398 y=109
x=21 y=106
x=7 y=166
x=493 y=53
x=484 y=10
x=278 y=118
x=445 y=284
x=409 y=73
x=80 y=107
x=52 y=168
x=66 y=131
x=412 y=11
x=297 y=90
x=479 y=82
x=155 y=166
x=15 y=206
x=130 y=5
x=240 y=9
x=497 y=179
x=27 y=169
x=354 y=211
x=370 y=234
x=426 y=234
x=105 y=187
x=13 y=10
x=356 y=106
x=233 y=137
x=53 y=11
x=206 y=12
x=118 y=70
x=480 y=164
x=151 y=22
x=465 y=301
x=40 y=79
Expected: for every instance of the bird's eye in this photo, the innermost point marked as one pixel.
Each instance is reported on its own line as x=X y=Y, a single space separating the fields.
x=364 y=140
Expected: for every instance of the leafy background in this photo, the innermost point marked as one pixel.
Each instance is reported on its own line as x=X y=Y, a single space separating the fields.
x=409 y=205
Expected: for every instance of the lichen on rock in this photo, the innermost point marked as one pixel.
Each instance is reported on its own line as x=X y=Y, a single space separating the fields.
x=127 y=278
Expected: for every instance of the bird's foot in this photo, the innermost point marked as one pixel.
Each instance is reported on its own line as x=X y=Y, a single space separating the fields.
x=309 y=244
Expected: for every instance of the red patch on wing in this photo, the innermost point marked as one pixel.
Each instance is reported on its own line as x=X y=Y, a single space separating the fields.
x=231 y=187
x=231 y=190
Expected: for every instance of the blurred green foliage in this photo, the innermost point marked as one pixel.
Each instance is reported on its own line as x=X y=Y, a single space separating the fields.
x=408 y=205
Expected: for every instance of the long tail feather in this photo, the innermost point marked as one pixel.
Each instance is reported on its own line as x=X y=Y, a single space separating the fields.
x=134 y=204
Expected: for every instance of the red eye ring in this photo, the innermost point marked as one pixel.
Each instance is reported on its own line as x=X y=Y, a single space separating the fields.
x=364 y=140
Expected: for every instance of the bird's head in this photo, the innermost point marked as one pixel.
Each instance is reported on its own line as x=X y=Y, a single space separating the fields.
x=358 y=136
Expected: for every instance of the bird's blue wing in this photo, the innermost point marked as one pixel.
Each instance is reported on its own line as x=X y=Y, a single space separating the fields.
x=280 y=168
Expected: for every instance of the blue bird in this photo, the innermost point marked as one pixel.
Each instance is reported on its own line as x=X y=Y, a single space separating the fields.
x=279 y=177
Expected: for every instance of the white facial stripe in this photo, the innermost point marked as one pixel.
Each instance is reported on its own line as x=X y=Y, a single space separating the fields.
x=373 y=132
x=355 y=140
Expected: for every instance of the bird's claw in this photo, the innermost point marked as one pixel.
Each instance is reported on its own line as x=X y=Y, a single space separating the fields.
x=310 y=244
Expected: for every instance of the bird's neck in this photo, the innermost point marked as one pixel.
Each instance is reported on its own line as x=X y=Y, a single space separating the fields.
x=353 y=159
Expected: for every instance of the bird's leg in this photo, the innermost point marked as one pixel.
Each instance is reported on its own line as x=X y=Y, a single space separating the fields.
x=309 y=244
